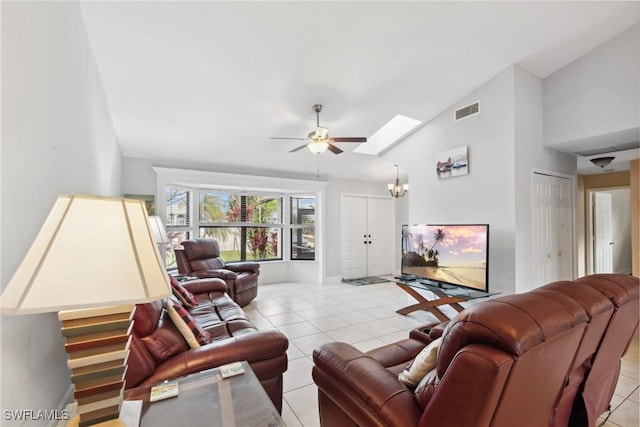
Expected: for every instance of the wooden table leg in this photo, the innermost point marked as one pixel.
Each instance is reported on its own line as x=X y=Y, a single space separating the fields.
x=430 y=305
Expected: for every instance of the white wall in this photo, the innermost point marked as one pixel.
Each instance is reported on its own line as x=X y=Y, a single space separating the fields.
x=530 y=153
x=486 y=194
x=57 y=137
x=504 y=145
x=597 y=94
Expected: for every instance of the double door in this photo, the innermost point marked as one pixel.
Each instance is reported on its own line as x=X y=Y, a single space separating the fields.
x=367 y=236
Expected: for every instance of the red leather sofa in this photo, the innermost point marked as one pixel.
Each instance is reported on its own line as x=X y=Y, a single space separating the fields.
x=201 y=258
x=159 y=352
x=548 y=357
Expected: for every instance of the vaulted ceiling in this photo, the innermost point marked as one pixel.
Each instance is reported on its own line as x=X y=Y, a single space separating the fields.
x=208 y=83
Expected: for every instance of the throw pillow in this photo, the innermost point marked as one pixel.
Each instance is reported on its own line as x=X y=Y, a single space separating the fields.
x=184 y=296
x=187 y=325
x=424 y=362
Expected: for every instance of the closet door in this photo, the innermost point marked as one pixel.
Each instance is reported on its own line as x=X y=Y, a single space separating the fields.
x=367 y=233
x=552 y=228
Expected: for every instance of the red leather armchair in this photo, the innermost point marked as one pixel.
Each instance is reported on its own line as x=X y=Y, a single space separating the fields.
x=159 y=352
x=201 y=258
x=547 y=357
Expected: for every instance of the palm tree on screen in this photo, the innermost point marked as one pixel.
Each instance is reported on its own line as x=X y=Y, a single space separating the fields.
x=432 y=256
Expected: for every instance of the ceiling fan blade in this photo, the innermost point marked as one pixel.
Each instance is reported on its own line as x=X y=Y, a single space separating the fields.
x=298 y=148
x=349 y=139
x=285 y=137
x=334 y=149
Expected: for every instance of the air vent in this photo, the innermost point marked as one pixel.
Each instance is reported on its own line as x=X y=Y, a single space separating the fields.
x=467 y=111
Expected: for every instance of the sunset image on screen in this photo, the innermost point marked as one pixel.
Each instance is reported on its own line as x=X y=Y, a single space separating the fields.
x=455 y=254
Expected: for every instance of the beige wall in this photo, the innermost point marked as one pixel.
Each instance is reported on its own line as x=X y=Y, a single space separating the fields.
x=629 y=179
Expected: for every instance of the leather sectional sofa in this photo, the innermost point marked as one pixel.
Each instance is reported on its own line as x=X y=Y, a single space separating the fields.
x=548 y=357
x=201 y=258
x=160 y=352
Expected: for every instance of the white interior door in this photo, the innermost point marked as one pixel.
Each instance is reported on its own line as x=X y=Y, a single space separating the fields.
x=353 y=216
x=367 y=234
x=379 y=236
x=552 y=228
x=602 y=233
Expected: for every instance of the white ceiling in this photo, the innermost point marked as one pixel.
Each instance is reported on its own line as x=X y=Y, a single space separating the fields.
x=208 y=83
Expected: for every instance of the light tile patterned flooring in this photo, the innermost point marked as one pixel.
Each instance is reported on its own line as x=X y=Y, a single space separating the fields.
x=364 y=316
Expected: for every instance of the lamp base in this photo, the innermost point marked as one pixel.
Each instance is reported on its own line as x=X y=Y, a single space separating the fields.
x=75 y=422
x=97 y=342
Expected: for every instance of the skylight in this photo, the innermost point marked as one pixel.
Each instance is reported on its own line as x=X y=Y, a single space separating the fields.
x=388 y=135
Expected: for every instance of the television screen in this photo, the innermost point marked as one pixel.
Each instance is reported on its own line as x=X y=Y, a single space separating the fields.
x=447 y=254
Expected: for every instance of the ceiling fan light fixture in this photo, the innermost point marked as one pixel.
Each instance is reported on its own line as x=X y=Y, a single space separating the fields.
x=602 y=161
x=318 y=147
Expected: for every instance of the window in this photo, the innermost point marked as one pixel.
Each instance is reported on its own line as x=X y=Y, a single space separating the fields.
x=178 y=221
x=248 y=226
x=303 y=236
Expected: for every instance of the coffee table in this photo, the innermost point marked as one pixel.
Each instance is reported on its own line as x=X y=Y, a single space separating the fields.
x=206 y=399
x=442 y=296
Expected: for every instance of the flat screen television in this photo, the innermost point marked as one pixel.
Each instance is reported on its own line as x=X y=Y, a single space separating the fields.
x=447 y=255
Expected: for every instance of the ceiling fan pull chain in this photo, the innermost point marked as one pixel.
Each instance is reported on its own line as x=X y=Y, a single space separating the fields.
x=318 y=167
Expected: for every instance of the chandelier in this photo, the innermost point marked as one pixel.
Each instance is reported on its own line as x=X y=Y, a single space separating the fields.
x=396 y=189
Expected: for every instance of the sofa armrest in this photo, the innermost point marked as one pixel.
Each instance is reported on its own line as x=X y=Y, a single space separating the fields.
x=251 y=347
x=239 y=267
x=219 y=273
x=362 y=388
x=430 y=332
x=202 y=286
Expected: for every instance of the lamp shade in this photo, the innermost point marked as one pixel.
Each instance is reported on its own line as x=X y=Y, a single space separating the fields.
x=91 y=252
x=157 y=228
x=317 y=147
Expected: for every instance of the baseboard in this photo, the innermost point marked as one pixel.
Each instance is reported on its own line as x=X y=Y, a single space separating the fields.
x=333 y=279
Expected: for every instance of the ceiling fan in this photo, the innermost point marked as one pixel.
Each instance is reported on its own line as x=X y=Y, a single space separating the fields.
x=319 y=140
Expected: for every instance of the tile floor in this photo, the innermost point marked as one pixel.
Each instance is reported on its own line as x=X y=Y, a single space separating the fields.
x=364 y=316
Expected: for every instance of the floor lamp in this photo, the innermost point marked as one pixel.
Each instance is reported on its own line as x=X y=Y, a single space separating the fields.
x=94 y=258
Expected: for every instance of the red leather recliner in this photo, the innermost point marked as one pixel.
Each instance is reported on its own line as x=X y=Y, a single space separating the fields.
x=525 y=360
x=201 y=258
x=600 y=380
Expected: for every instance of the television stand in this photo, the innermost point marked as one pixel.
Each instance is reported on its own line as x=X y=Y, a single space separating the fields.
x=438 y=284
x=452 y=296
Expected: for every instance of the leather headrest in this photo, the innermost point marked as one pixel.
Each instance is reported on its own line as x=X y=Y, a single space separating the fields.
x=513 y=324
x=196 y=249
x=145 y=320
x=592 y=301
x=618 y=288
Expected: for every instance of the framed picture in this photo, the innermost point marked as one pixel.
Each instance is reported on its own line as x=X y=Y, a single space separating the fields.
x=452 y=163
x=149 y=201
